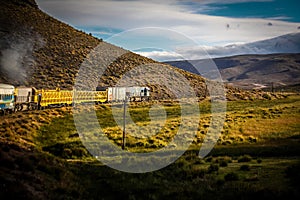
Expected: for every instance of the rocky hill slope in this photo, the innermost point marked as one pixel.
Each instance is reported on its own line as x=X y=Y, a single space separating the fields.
x=38 y=50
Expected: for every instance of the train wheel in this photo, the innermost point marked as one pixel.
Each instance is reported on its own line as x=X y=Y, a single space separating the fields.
x=19 y=107
x=32 y=107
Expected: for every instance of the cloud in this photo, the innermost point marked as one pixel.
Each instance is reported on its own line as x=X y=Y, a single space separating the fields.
x=162 y=55
x=174 y=15
x=289 y=43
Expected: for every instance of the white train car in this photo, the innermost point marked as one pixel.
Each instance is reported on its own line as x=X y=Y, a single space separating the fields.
x=24 y=97
x=118 y=94
x=138 y=93
x=6 y=97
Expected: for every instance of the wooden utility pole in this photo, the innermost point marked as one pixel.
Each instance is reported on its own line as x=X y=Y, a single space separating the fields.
x=124 y=124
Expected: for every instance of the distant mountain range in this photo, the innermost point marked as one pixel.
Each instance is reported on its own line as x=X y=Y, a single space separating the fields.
x=266 y=64
x=289 y=43
x=280 y=71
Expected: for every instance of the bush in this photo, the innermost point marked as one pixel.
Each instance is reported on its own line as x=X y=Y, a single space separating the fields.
x=67 y=153
x=245 y=168
x=245 y=158
x=199 y=161
x=208 y=159
x=232 y=176
x=213 y=168
x=220 y=182
x=223 y=163
x=292 y=173
x=197 y=173
x=79 y=152
x=267 y=96
x=259 y=160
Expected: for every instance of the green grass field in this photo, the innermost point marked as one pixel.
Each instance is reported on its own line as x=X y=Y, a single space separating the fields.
x=257 y=154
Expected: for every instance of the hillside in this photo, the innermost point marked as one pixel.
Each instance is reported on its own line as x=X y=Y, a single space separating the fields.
x=255 y=71
x=40 y=51
x=42 y=156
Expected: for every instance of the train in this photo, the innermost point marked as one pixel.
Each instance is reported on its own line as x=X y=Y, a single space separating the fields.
x=14 y=99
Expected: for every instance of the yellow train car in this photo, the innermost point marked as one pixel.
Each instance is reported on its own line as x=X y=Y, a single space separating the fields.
x=57 y=98
x=90 y=96
x=31 y=99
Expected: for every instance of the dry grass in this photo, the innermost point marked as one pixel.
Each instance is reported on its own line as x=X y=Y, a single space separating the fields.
x=55 y=142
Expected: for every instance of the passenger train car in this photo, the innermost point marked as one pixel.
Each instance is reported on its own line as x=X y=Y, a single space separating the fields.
x=29 y=98
x=6 y=97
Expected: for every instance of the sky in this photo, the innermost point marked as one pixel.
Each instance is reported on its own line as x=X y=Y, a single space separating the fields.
x=165 y=30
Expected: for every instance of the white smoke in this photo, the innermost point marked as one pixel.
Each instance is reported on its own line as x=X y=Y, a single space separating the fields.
x=17 y=60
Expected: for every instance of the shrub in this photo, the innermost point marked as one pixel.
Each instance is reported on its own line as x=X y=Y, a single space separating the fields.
x=232 y=176
x=227 y=142
x=245 y=168
x=199 y=161
x=252 y=139
x=209 y=159
x=213 y=168
x=223 y=163
x=220 y=182
x=259 y=160
x=245 y=158
x=67 y=153
x=292 y=173
x=267 y=96
x=197 y=173
x=252 y=178
x=79 y=152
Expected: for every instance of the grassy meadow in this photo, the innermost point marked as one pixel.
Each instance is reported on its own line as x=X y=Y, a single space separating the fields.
x=256 y=155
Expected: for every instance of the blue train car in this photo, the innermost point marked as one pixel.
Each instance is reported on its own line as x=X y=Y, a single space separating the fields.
x=6 y=97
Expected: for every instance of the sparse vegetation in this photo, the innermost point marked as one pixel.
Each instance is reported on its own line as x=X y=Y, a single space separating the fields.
x=213 y=168
x=42 y=155
x=223 y=163
x=231 y=176
x=244 y=158
x=59 y=152
x=245 y=168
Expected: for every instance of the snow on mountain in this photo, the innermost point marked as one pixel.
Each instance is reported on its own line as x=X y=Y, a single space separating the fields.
x=289 y=43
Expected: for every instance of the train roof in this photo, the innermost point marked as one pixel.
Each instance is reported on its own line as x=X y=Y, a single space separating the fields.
x=6 y=86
